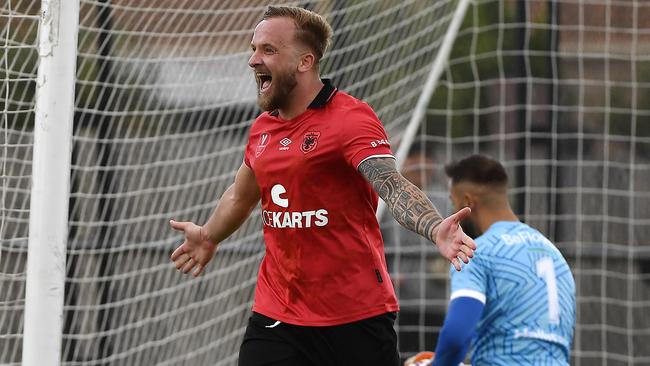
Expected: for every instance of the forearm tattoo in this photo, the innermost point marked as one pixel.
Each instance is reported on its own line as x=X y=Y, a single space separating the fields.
x=408 y=204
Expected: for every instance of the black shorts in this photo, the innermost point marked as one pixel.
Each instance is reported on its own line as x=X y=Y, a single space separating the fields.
x=371 y=342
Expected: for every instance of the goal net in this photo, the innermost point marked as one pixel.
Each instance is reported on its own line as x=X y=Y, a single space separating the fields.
x=18 y=68
x=164 y=98
x=558 y=91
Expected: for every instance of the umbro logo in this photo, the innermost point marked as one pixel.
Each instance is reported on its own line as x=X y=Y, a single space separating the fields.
x=285 y=143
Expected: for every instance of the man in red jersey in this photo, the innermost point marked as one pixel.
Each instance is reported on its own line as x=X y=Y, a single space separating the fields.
x=317 y=158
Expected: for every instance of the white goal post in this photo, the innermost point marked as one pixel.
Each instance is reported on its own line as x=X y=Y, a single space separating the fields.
x=48 y=219
x=419 y=112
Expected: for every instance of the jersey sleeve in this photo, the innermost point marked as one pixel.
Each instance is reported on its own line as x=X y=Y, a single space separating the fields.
x=471 y=281
x=363 y=136
x=247 y=155
x=249 y=151
x=456 y=334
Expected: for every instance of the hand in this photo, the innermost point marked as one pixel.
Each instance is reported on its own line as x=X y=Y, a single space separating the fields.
x=452 y=242
x=421 y=359
x=195 y=252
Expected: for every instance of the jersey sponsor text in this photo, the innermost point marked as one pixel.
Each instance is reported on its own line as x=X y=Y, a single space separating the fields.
x=291 y=219
x=522 y=237
x=295 y=220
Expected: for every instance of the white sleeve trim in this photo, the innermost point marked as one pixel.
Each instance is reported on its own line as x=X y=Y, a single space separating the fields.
x=468 y=293
x=375 y=156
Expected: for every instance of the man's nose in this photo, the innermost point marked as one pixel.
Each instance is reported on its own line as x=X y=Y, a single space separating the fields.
x=254 y=60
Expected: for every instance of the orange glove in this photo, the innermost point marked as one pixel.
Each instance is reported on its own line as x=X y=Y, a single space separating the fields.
x=421 y=359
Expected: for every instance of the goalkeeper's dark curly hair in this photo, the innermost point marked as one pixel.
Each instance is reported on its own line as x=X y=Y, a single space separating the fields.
x=479 y=169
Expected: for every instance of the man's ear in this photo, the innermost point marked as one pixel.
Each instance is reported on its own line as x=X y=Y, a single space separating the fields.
x=307 y=62
x=470 y=200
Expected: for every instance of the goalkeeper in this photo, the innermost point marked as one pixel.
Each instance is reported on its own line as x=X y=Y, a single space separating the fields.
x=317 y=158
x=516 y=299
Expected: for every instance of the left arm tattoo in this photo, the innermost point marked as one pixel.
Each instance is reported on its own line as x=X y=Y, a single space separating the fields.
x=408 y=204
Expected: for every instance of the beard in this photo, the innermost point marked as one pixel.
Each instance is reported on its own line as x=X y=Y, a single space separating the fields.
x=470 y=228
x=277 y=96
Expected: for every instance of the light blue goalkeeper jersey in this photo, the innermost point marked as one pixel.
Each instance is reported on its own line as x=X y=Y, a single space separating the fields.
x=529 y=296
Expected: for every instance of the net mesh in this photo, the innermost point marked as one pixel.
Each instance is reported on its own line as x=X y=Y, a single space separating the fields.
x=164 y=98
x=558 y=91
x=18 y=67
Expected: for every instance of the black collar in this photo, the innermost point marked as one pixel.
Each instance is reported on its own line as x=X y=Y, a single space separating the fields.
x=324 y=96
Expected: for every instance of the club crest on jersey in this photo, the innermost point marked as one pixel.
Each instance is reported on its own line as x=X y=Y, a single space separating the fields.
x=265 y=137
x=310 y=141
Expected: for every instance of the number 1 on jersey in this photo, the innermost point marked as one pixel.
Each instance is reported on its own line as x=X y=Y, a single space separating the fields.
x=546 y=271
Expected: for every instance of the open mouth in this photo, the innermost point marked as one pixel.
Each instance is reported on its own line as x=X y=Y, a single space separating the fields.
x=264 y=81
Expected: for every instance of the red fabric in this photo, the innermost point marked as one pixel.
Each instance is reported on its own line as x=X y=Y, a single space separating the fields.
x=324 y=262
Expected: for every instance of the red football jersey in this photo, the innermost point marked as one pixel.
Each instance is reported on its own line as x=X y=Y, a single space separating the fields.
x=324 y=262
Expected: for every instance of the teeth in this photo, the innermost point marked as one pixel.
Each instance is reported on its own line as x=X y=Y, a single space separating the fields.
x=264 y=80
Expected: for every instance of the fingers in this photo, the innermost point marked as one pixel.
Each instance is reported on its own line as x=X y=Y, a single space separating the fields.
x=463 y=257
x=462 y=214
x=469 y=242
x=186 y=264
x=181 y=256
x=456 y=264
x=468 y=247
x=198 y=270
x=465 y=253
x=178 y=225
x=181 y=260
x=176 y=253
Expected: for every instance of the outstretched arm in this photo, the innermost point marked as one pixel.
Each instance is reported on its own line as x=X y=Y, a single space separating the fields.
x=456 y=334
x=413 y=210
x=233 y=209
